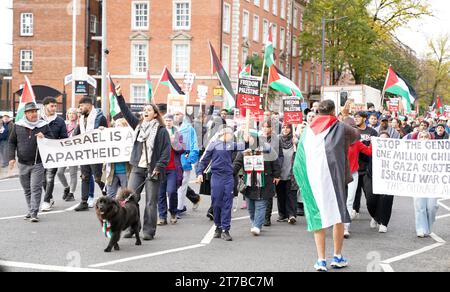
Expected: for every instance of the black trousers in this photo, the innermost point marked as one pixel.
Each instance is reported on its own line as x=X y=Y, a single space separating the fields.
x=359 y=189
x=286 y=199
x=379 y=206
x=86 y=172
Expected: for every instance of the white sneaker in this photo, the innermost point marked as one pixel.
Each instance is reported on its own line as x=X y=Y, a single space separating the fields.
x=373 y=224
x=90 y=202
x=382 y=229
x=46 y=207
x=346 y=234
x=255 y=231
x=354 y=215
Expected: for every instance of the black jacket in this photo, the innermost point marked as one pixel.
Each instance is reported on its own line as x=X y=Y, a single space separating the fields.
x=7 y=131
x=272 y=170
x=25 y=142
x=58 y=128
x=161 y=150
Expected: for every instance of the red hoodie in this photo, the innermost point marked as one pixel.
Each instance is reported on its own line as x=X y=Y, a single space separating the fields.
x=353 y=154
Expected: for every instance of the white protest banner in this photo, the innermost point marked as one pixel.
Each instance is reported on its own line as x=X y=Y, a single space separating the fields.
x=96 y=147
x=411 y=168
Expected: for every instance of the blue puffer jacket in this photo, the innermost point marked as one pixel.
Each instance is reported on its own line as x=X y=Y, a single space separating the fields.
x=190 y=140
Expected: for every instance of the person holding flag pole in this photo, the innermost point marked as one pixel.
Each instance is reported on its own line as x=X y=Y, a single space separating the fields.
x=23 y=141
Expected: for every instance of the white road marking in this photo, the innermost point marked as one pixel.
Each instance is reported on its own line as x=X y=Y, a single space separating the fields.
x=443 y=205
x=48 y=267
x=412 y=253
x=442 y=217
x=209 y=236
x=11 y=190
x=124 y=260
x=41 y=213
x=387 y=268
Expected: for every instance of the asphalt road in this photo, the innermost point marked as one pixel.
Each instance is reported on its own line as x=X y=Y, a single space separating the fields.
x=68 y=241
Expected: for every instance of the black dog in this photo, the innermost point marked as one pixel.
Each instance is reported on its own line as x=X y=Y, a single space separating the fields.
x=118 y=215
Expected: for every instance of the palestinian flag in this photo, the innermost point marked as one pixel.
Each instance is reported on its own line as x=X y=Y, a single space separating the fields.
x=246 y=71
x=268 y=50
x=320 y=171
x=278 y=81
x=168 y=80
x=114 y=109
x=149 y=87
x=396 y=84
x=229 y=96
x=27 y=96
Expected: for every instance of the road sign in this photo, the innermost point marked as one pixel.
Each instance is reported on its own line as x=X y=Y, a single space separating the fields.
x=218 y=91
x=81 y=87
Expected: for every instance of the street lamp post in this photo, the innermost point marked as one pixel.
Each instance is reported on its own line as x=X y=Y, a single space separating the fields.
x=324 y=21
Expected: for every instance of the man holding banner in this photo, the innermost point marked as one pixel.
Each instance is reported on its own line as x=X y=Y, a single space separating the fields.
x=23 y=140
x=91 y=119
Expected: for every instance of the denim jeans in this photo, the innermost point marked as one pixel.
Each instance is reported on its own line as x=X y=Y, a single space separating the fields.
x=425 y=212
x=257 y=211
x=183 y=189
x=168 y=187
x=138 y=181
x=119 y=180
x=49 y=184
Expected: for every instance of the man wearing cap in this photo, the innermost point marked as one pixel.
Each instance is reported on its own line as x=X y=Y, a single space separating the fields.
x=5 y=129
x=23 y=140
x=384 y=127
x=364 y=161
x=59 y=131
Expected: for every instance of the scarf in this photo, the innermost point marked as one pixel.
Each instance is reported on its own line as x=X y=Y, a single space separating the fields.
x=48 y=119
x=31 y=125
x=90 y=125
x=287 y=142
x=147 y=135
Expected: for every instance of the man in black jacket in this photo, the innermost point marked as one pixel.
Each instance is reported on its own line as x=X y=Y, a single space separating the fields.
x=5 y=129
x=59 y=131
x=23 y=140
x=91 y=119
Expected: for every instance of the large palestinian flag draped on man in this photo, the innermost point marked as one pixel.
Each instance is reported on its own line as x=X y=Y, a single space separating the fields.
x=217 y=67
x=319 y=170
x=398 y=85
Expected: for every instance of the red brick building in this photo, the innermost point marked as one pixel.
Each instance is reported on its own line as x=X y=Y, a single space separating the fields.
x=145 y=34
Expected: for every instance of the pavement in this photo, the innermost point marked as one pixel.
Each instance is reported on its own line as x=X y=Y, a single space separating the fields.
x=68 y=241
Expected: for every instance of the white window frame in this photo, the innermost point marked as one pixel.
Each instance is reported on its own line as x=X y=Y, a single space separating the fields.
x=29 y=31
x=294 y=47
x=274 y=35
x=174 y=20
x=256 y=26
x=275 y=7
x=133 y=16
x=294 y=74
x=22 y=62
x=295 y=20
x=93 y=24
x=282 y=38
x=283 y=9
x=266 y=27
x=226 y=58
x=257 y=2
x=301 y=21
x=246 y=29
x=226 y=18
x=267 y=5
x=141 y=100
x=174 y=57
x=133 y=65
x=300 y=77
